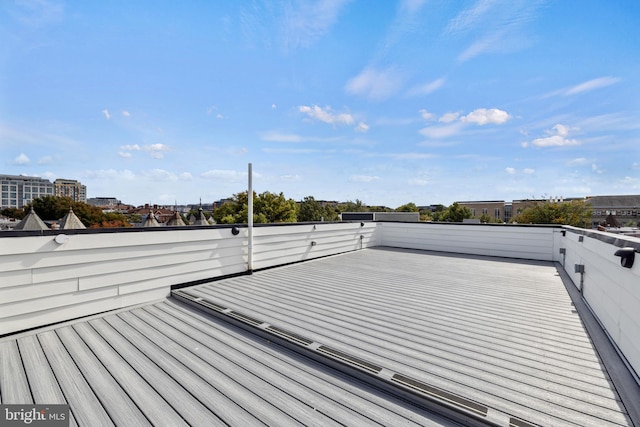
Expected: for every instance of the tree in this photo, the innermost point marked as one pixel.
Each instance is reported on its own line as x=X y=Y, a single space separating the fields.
x=267 y=208
x=454 y=213
x=576 y=213
x=14 y=213
x=408 y=207
x=310 y=210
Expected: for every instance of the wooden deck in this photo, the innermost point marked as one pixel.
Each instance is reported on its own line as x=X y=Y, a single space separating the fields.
x=500 y=333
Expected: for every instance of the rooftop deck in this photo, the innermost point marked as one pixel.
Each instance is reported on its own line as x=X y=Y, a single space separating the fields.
x=489 y=334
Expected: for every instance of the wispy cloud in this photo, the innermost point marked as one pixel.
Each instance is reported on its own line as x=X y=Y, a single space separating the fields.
x=376 y=84
x=363 y=178
x=38 y=13
x=426 y=88
x=224 y=175
x=306 y=21
x=156 y=151
x=276 y=136
x=592 y=85
x=588 y=86
x=493 y=26
x=106 y=114
x=110 y=174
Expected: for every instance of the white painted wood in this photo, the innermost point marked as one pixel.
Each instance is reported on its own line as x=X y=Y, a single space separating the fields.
x=504 y=241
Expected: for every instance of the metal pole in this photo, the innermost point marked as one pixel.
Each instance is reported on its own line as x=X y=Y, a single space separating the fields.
x=250 y=221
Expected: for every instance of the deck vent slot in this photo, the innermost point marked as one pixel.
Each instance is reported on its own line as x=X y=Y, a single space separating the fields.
x=344 y=357
x=441 y=395
x=247 y=319
x=212 y=305
x=289 y=335
x=514 y=422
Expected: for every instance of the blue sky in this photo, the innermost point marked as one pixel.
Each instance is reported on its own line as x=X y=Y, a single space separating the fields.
x=384 y=101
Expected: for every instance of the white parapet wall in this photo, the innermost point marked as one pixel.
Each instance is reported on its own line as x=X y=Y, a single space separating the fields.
x=44 y=281
x=511 y=241
x=611 y=291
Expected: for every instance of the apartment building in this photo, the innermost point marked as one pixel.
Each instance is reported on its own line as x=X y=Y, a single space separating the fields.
x=19 y=190
x=70 y=188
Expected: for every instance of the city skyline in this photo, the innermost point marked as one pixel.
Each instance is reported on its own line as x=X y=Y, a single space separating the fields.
x=408 y=101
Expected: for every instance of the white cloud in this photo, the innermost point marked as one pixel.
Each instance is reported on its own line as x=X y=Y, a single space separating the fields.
x=483 y=116
x=307 y=21
x=225 y=175
x=449 y=117
x=110 y=174
x=290 y=178
x=134 y=147
x=160 y=175
x=427 y=88
x=441 y=131
x=510 y=171
x=596 y=169
x=125 y=113
x=635 y=165
x=124 y=154
x=363 y=178
x=22 y=159
x=557 y=138
x=186 y=176
x=274 y=106
x=362 y=127
x=427 y=115
x=580 y=161
x=418 y=182
x=592 y=85
x=106 y=114
x=155 y=150
x=326 y=115
x=375 y=84
x=39 y=13
x=528 y=171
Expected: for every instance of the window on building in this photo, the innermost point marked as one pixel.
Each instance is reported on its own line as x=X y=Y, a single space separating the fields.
x=496 y=213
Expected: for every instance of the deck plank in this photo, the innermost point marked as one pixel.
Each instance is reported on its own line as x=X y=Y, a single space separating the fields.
x=85 y=406
x=43 y=383
x=114 y=399
x=13 y=379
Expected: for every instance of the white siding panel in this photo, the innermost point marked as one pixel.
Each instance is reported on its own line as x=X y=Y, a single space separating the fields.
x=505 y=241
x=611 y=291
x=14 y=278
x=31 y=319
x=26 y=292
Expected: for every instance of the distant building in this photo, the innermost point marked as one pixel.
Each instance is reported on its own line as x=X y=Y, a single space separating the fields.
x=624 y=209
x=104 y=202
x=492 y=208
x=18 y=191
x=380 y=216
x=70 y=188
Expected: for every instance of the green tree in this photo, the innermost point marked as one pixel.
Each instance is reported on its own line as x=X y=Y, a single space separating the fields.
x=310 y=210
x=455 y=213
x=576 y=213
x=14 y=213
x=267 y=208
x=408 y=207
x=350 y=206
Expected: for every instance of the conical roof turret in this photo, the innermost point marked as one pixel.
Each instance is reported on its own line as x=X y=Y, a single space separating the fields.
x=31 y=222
x=71 y=221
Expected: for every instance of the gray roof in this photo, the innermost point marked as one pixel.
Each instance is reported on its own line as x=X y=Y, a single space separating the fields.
x=176 y=220
x=201 y=220
x=498 y=337
x=71 y=221
x=31 y=222
x=150 y=221
x=628 y=201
